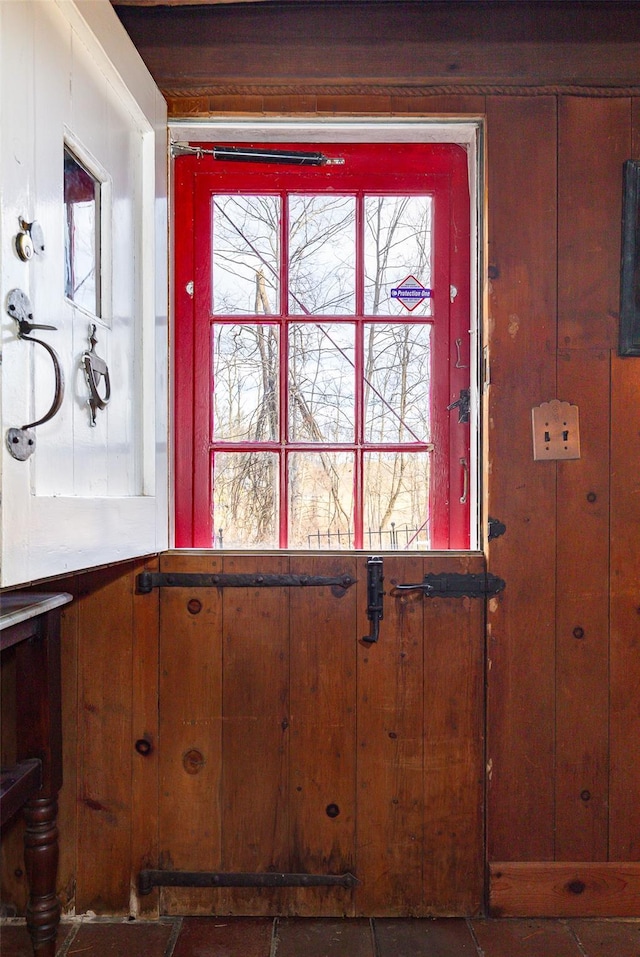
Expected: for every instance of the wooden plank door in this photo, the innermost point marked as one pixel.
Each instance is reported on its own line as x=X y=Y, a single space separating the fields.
x=323 y=401
x=289 y=745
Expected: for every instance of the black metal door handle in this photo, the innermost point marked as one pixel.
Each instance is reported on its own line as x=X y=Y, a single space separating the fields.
x=22 y=442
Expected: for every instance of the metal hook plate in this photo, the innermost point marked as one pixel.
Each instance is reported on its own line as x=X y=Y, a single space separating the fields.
x=30 y=240
x=21 y=443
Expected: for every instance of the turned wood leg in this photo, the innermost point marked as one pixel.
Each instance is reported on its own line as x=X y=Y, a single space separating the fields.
x=41 y=864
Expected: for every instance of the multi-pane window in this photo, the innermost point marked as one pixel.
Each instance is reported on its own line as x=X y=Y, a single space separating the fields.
x=326 y=353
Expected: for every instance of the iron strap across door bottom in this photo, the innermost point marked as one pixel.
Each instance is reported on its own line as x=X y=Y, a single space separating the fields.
x=148 y=879
x=146 y=581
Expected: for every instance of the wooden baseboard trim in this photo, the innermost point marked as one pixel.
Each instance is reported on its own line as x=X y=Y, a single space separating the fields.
x=551 y=889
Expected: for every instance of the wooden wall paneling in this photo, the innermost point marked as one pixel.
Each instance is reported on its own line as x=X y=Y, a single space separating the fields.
x=255 y=733
x=624 y=788
x=322 y=731
x=582 y=615
x=105 y=743
x=234 y=103
x=589 y=179
x=593 y=144
x=144 y=721
x=450 y=104
x=521 y=164
x=190 y=731
x=292 y=103
x=624 y=815
x=283 y=103
x=186 y=106
x=190 y=48
x=390 y=830
x=354 y=103
x=454 y=659
x=565 y=889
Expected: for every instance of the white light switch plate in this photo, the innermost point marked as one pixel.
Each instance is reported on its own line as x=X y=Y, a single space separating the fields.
x=556 y=431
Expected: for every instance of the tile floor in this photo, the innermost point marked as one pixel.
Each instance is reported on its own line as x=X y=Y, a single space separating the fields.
x=328 y=937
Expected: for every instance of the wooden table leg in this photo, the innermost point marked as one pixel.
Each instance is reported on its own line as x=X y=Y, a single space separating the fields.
x=40 y=736
x=41 y=863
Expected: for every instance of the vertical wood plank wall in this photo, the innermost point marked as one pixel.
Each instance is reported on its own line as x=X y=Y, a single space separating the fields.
x=563 y=642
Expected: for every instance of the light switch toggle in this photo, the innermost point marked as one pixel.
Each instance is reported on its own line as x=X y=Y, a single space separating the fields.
x=556 y=431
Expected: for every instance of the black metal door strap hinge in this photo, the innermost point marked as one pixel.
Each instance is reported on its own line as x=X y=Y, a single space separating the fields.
x=146 y=581
x=148 y=879
x=455 y=585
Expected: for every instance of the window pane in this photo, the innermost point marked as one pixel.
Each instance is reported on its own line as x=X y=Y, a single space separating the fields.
x=245 y=499
x=321 y=382
x=397 y=247
x=322 y=255
x=245 y=376
x=396 y=500
x=321 y=500
x=246 y=255
x=82 y=235
x=398 y=382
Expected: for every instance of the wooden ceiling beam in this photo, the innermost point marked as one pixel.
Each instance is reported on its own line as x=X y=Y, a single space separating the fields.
x=308 y=47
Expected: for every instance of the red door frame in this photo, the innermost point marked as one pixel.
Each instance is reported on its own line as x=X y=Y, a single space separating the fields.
x=440 y=169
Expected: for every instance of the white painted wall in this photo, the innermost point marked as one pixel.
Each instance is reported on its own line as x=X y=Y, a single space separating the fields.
x=88 y=495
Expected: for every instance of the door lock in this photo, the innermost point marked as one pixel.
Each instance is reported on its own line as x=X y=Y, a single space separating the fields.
x=462 y=404
x=375 y=598
x=30 y=240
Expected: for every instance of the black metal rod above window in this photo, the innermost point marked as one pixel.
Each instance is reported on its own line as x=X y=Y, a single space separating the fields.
x=255 y=154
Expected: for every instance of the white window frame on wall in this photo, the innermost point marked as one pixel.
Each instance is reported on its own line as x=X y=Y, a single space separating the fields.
x=468 y=132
